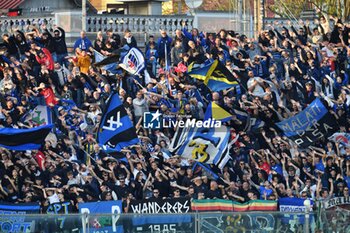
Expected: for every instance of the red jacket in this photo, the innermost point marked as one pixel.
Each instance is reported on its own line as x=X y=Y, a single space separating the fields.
x=49 y=96
x=47 y=60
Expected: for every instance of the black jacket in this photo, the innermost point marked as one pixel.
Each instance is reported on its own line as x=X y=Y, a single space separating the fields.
x=60 y=42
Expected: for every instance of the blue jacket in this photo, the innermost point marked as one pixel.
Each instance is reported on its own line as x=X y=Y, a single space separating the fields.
x=162 y=43
x=345 y=81
x=84 y=44
x=150 y=54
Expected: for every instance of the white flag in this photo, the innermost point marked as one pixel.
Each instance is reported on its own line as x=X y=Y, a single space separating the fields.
x=133 y=61
x=205 y=145
x=40 y=115
x=341 y=138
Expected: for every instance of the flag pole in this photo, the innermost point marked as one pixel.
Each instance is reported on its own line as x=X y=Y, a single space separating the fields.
x=166 y=56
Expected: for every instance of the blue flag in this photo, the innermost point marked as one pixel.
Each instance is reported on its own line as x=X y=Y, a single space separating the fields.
x=24 y=139
x=116 y=130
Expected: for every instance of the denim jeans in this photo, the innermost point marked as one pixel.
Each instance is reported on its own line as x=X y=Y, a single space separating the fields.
x=60 y=58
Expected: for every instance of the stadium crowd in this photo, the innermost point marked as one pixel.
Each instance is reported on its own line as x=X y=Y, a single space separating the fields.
x=280 y=73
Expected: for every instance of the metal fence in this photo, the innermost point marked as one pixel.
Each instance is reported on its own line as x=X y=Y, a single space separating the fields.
x=152 y=223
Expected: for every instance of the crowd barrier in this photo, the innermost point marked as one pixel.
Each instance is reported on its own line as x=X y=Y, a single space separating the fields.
x=180 y=215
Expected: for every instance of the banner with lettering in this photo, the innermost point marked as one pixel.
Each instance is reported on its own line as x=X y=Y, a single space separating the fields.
x=101 y=223
x=313 y=123
x=337 y=214
x=337 y=201
x=61 y=223
x=175 y=207
x=18 y=223
x=293 y=205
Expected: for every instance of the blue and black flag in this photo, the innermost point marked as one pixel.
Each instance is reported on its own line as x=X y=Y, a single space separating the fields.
x=215 y=75
x=312 y=124
x=116 y=130
x=24 y=139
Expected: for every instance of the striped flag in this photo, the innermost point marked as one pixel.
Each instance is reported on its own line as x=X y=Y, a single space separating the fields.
x=232 y=206
x=255 y=205
x=212 y=205
x=24 y=139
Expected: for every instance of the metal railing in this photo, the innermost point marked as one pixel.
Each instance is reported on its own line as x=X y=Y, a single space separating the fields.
x=152 y=223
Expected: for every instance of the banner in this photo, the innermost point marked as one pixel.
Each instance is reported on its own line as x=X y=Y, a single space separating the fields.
x=227 y=205
x=18 y=223
x=255 y=205
x=313 y=123
x=61 y=223
x=105 y=224
x=212 y=205
x=337 y=201
x=24 y=139
x=204 y=145
x=116 y=130
x=173 y=206
x=293 y=205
